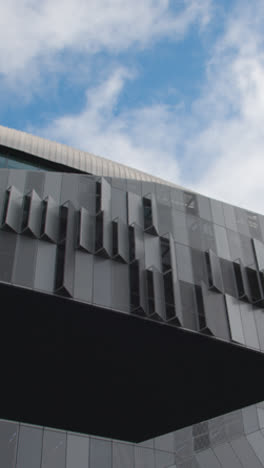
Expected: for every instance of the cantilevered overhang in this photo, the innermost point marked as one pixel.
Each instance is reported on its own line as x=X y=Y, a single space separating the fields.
x=68 y=365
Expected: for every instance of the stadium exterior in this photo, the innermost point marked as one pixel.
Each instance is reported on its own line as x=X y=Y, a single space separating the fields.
x=132 y=325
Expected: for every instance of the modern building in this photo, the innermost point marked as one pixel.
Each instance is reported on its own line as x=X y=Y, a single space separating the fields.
x=132 y=321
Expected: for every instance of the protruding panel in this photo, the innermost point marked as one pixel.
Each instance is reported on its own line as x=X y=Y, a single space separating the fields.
x=155 y=294
x=171 y=294
x=86 y=231
x=102 y=273
x=65 y=251
x=135 y=209
x=152 y=252
x=120 y=241
x=31 y=214
x=12 y=211
x=215 y=313
x=215 y=280
x=103 y=235
x=137 y=288
x=150 y=214
x=103 y=196
x=50 y=220
x=235 y=321
x=241 y=281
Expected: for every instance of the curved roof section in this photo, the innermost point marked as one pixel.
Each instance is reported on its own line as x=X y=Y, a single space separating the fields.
x=80 y=160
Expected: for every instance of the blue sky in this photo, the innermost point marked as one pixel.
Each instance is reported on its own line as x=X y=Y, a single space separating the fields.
x=174 y=88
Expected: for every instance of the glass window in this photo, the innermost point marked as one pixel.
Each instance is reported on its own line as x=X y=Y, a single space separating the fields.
x=3 y=162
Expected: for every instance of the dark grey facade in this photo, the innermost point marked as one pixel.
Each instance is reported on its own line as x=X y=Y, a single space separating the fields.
x=135 y=314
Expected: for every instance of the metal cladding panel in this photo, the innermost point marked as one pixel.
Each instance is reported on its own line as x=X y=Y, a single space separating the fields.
x=34 y=215
x=135 y=209
x=13 y=209
x=25 y=262
x=50 y=226
x=45 y=266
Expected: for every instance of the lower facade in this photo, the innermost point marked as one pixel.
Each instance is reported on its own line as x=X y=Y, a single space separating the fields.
x=234 y=440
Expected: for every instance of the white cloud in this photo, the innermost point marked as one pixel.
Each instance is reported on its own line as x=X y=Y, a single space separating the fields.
x=135 y=138
x=217 y=149
x=32 y=32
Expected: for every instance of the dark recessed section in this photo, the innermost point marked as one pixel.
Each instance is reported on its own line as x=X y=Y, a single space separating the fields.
x=16 y=159
x=76 y=367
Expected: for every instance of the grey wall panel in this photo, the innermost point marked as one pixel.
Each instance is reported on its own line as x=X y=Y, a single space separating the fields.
x=87 y=193
x=135 y=209
x=204 y=208
x=164 y=219
x=8 y=443
x=217 y=212
x=102 y=294
x=234 y=318
x=138 y=187
x=69 y=191
x=207 y=459
x=17 y=178
x=119 y=204
x=52 y=186
x=51 y=227
x=179 y=227
x=234 y=245
x=106 y=191
x=250 y=418
x=83 y=278
x=144 y=458
x=163 y=194
x=194 y=231
x=100 y=453
x=259 y=318
x=227 y=456
x=54 y=449
x=77 y=455
x=165 y=442
x=249 y=326
x=29 y=447
x=12 y=217
x=45 y=266
x=230 y=217
x=177 y=200
x=164 y=459
x=86 y=230
x=184 y=263
x=120 y=184
x=120 y=287
x=35 y=181
x=123 y=455
x=34 y=216
x=152 y=252
x=216 y=313
x=222 y=242
x=3 y=187
x=242 y=221
x=25 y=262
x=7 y=255
x=256 y=440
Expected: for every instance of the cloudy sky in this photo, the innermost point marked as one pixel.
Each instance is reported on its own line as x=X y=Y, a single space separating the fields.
x=175 y=88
